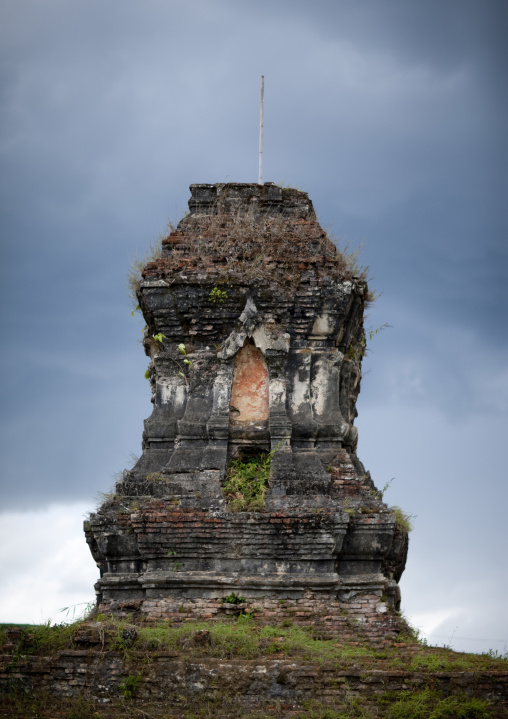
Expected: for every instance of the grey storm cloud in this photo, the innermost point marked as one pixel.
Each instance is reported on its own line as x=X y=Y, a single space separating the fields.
x=380 y=110
x=390 y=114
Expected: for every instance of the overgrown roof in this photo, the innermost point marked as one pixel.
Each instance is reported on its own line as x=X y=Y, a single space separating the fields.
x=250 y=233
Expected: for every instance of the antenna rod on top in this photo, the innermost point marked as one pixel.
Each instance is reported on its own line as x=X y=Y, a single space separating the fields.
x=261 y=132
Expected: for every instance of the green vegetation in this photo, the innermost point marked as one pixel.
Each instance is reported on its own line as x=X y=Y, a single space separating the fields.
x=134 y=277
x=383 y=491
x=402 y=519
x=228 y=705
x=218 y=296
x=429 y=704
x=233 y=599
x=42 y=638
x=357 y=349
x=156 y=342
x=244 y=638
x=247 y=482
x=80 y=611
x=250 y=638
x=130 y=685
x=373 y=333
x=286 y=186
x=106 y=497
x=155 y=477
x=183 y=351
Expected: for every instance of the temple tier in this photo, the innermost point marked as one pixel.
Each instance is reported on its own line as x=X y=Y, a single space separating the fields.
x=254 y=329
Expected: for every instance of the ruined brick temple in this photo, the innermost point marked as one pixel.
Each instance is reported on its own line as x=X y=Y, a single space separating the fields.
x=254 y=330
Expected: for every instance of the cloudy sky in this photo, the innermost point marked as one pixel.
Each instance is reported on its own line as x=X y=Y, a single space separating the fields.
x=392 y=115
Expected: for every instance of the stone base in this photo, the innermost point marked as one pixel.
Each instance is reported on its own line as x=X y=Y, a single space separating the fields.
x=350 y=608
x=168 y=684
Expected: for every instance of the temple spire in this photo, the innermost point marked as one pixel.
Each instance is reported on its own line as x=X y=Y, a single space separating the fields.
x=260 y=180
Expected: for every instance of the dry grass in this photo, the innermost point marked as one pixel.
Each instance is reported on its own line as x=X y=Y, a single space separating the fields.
x=248 y=246
x=134 y=277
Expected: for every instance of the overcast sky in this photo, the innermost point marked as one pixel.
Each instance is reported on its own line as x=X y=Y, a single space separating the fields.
x=392 y=115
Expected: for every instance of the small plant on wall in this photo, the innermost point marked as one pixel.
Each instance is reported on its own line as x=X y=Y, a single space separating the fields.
x=129 y=686
x=158 y=340
x=218 y=296
x=247 y=482
x=233 y=599
x=403 y=520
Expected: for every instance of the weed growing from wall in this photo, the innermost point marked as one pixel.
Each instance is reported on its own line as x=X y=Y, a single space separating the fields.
x=402 y=519
x=130 y=685
x=218 y=296
x=77 y=612
x=134 y=277
x=233 y=599
x=247 y=482
x=157 y=342
x=358 y=349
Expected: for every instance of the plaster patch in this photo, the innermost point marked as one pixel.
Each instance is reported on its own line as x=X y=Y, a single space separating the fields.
x=320 y=386
x=249 y=394
x=172 y=394
x=300 y=394
x=322 y=325
x=277 y=393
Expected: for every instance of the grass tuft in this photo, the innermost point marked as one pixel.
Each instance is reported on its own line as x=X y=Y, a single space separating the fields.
x=247 y=482
x=429 y=704
x=402 y=519
x=134 y=278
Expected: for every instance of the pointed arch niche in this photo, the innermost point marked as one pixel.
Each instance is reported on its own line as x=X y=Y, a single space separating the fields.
x=249 y=404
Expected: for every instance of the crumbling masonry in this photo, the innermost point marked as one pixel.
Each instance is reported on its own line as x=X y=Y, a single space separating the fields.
x=271 y=319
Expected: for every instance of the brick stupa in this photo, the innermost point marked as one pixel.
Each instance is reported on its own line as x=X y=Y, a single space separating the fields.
x=270 y=317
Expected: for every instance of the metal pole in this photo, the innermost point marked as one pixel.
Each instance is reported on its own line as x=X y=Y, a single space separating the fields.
x=261 y=132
